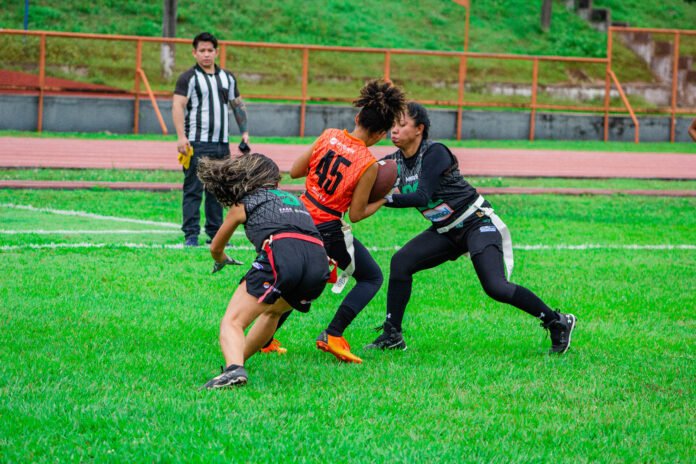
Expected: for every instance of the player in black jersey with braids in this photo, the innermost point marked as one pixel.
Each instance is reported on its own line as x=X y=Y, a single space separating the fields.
x=290 y=270
x=462 y=222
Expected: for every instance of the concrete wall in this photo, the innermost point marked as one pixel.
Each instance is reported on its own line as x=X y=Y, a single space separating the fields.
x=88 y=114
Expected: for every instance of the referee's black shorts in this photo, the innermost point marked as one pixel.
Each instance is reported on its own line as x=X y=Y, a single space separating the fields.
x=302 y=269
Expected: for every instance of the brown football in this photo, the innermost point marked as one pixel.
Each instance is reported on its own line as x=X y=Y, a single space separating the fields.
x=386 y=178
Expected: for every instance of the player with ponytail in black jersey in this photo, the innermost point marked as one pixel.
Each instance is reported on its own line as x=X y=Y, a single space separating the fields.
x=462 y=222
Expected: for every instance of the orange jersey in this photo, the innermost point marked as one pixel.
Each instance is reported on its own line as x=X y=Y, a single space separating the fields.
x=335 y=167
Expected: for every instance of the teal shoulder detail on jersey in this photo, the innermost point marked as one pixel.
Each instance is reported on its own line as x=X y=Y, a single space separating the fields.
x=286 y=197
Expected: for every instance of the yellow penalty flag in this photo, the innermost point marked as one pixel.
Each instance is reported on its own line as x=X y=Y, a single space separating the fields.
x=185 y=158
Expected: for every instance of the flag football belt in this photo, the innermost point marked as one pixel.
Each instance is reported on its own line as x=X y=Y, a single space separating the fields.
x=342 y=280
x=269 y=252
x=475 y=206
x=508 y=258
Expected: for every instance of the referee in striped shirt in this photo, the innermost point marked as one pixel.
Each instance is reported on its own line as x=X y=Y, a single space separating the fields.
x=201 y=118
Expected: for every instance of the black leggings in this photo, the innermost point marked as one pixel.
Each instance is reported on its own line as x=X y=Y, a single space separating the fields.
x=367 y=273
x=430 y=249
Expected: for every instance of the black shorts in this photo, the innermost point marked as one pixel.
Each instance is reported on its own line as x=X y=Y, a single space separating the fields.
x=302 y=270
x=475 y=235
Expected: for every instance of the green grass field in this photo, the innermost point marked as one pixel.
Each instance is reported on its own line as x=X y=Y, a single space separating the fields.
x=176 y=177
x=109 y=328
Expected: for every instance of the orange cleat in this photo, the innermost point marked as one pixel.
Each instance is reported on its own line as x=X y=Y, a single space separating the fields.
x=337 y=346
x=274 y=347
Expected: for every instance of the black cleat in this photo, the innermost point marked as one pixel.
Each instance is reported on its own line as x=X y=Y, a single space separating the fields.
x=391 y=339
x=233 y=376
x=560 y=332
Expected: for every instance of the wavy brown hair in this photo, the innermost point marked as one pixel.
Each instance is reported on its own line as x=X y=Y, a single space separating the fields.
x=381 y=104
x=230 y=179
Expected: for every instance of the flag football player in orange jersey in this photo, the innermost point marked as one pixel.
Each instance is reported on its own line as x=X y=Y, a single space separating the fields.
x=340 y=172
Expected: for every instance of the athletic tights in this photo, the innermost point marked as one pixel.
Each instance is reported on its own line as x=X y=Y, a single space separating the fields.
x=430 y=249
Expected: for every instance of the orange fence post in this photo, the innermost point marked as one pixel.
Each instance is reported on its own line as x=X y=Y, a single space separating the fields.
x=387 y=66
x=305 y=74
x=675 y=83
x=607 y=85
x=532 y=117
x=42 y=81
x=163 y=126
x=223 y=56
x=136 y=90
x=460 y=96
x=628 y=105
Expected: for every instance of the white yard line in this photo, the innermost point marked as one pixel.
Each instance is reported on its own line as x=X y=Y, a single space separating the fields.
x=85 y=245
x=64 y=212
x=148 y=246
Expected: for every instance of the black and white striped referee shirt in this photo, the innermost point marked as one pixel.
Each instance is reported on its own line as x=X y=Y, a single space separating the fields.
x=207 y=116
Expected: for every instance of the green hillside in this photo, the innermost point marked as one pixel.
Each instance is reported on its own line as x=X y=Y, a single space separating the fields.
x=510 y=26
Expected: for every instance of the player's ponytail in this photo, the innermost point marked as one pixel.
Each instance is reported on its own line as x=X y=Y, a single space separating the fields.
x=230 y=179
x=380 y=103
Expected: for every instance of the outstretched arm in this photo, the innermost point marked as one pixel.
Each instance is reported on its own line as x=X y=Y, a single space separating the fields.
x=692 y=130
x=235 y=217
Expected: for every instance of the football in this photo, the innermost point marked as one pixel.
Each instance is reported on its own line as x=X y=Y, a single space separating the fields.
x=386 y=178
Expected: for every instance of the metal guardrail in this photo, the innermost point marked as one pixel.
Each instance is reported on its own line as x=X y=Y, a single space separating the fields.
x=304 y=98
x=677 y=33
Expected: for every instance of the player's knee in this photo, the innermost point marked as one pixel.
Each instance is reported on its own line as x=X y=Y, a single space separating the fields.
x=372 y=282
x=369 y=272
x=230 y=325
x=499 y=289
x=400 y=267
x=233 y=319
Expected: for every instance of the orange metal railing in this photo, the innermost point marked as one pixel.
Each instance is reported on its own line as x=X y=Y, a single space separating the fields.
x=677 y=33
x=460 y=103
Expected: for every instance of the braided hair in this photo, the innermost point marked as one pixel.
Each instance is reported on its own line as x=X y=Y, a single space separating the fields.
x=230 y=179
x=381 y=104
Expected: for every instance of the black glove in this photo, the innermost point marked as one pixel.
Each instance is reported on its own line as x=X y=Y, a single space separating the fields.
x=244 y=148
x=218 y=266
